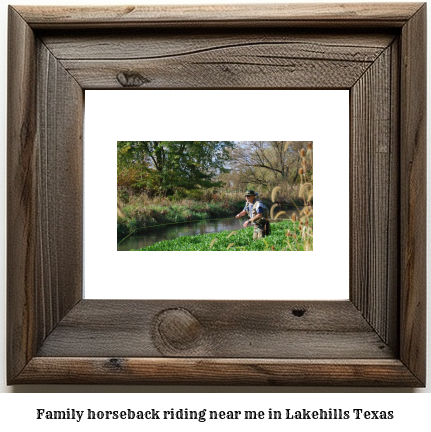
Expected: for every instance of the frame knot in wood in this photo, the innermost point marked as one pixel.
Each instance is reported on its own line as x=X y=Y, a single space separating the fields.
x=131 y=79
x=298 y=312
x=177 y=329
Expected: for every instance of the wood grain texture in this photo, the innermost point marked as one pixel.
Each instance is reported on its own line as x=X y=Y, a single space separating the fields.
x=300 y=14
x=197 y=371
x=226 y=329
x=377 y=338
x=59 y=245
x=251 y=60
x=44 y=195
x=211 y=59
x=392 y=306
x=413 y=194
x=146 y=45
x=374 y=195
x=21 y=194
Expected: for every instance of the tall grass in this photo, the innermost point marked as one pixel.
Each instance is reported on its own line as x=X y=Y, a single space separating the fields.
x=306 y=194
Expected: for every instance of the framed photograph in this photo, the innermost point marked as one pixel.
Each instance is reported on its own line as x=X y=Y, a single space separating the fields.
x=375 y=337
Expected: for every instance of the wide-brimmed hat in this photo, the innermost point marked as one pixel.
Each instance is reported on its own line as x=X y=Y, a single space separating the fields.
x=250 y=192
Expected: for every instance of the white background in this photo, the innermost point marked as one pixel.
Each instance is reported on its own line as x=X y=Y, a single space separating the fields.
x=235 y=115
x=18 y=410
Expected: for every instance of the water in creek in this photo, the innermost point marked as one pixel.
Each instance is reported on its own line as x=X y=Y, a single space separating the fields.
x=169 y=232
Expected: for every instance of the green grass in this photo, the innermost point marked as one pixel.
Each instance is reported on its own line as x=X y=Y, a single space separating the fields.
x=241 y=240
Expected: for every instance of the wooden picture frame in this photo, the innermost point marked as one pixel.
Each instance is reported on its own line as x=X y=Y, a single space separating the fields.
x=376 y=338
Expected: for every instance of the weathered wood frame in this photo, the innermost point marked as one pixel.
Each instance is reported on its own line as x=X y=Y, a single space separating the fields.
x=376 y=338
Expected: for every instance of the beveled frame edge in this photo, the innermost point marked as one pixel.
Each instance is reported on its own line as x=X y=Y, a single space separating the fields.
x=25 y=291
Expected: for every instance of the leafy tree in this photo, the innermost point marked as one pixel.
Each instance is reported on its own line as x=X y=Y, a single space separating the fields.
x=164 y=167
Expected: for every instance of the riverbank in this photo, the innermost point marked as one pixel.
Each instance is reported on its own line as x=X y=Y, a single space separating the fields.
x=285 y=236
x=141 y=213
x=137 y=219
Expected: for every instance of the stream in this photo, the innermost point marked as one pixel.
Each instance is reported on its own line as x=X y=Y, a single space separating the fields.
x=169 y=232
